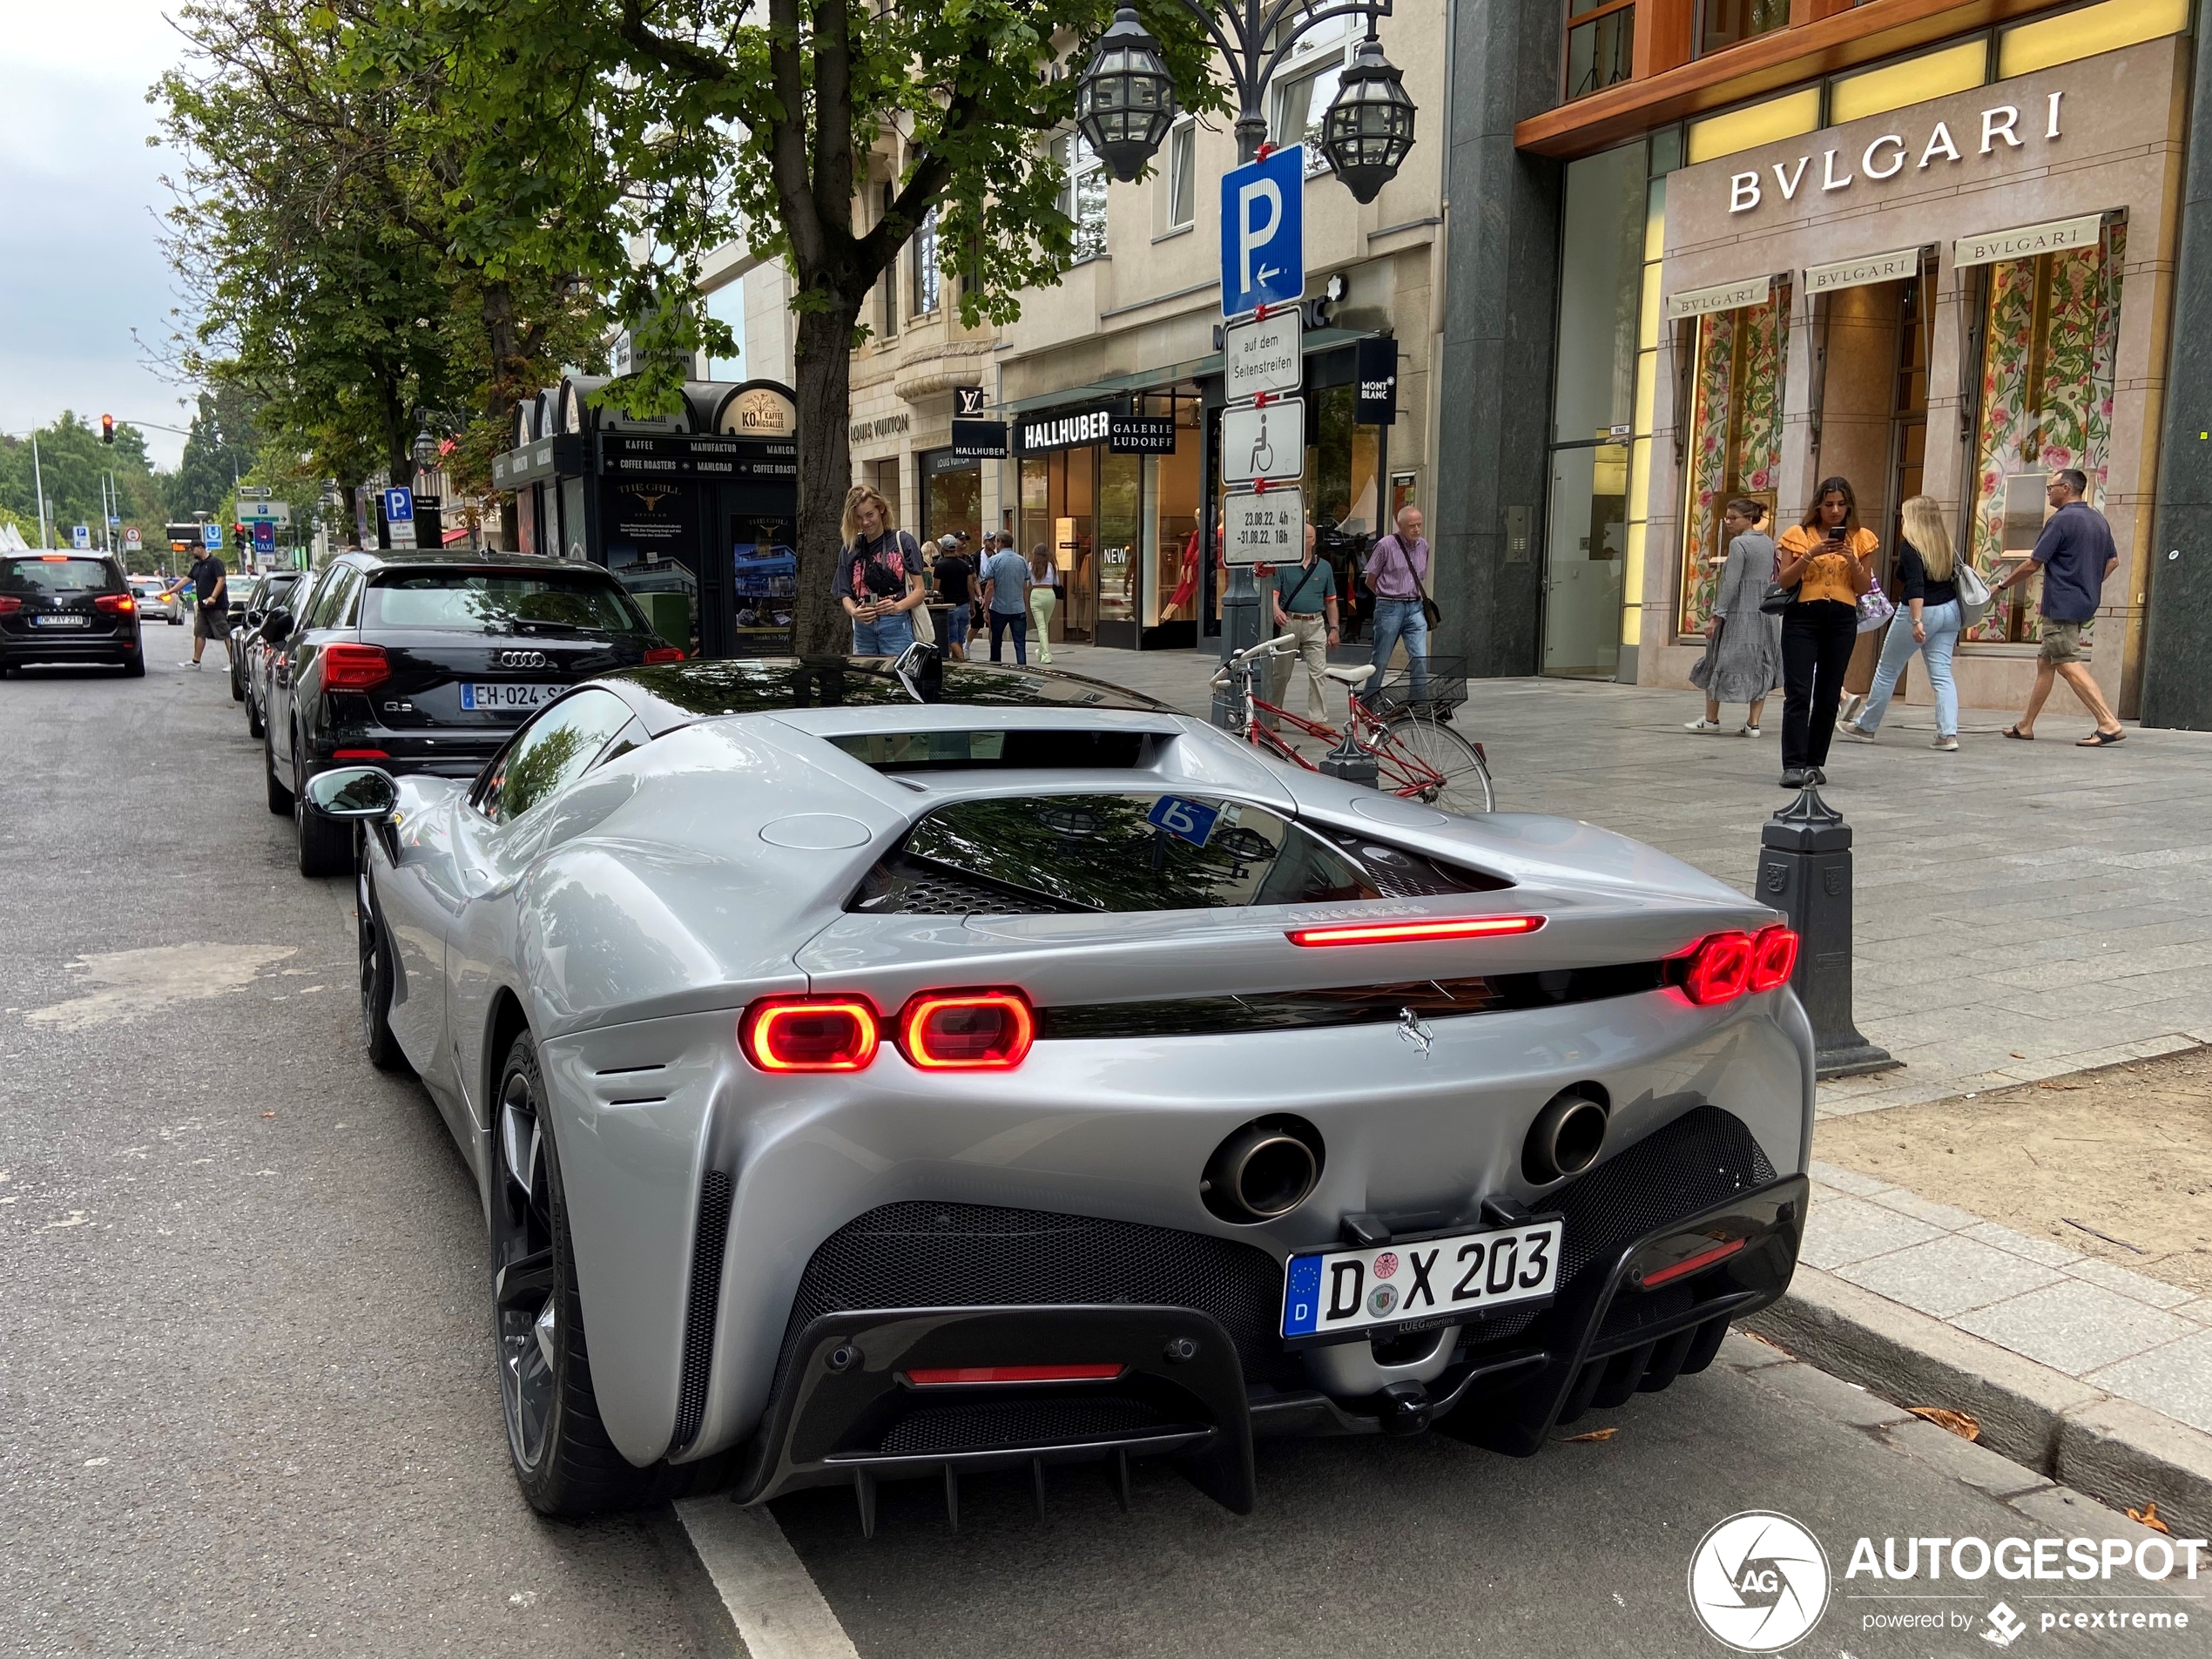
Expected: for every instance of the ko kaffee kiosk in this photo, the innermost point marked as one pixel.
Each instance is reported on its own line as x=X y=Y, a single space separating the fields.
x=696 y=512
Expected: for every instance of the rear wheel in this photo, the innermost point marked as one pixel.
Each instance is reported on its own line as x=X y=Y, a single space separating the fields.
x=279 y=797
x=134 y=666
x=254 y=726
x=375 y=979
x=562 y=1457
x=238 y=685
x=325 y=844
x=1427 y=761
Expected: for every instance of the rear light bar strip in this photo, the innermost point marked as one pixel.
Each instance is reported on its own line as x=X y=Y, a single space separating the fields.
x=1698 y=1263
x=973 y=1376
x=1401 y=932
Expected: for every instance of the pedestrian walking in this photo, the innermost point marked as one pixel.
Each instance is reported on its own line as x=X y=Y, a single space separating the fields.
x=1827 y=558
x=955 y=573
x=1044 y=598
x=1306 y=609
x=1929 y=624
x=211 y=611
x=1742 y=659
x=878 y=576
x=1397 y=576
x=2076 y=554
x=1006 y=597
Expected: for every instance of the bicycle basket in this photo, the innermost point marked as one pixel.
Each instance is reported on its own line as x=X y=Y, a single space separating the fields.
x=1438 y=682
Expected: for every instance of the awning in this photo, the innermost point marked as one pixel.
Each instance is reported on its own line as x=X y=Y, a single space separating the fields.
x=1867 y=268
x=2026 y=241
x=1198 y=369
x=1726 y=296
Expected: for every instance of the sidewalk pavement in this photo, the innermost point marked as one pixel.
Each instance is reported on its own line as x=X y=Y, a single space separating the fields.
x=2021 y=911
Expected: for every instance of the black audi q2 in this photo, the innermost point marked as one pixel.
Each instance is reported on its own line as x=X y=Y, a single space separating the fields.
x=426 y=661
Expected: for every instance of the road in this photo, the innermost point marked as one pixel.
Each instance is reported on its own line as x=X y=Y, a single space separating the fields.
x=246 y=1404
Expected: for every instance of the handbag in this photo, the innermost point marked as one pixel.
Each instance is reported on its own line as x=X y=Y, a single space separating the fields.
x=1975 y=597
x=1874 y=608
x=925 y=627
x=1431 y=613
x=1777 y=599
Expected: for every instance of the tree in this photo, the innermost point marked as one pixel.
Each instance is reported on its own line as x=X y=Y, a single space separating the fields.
x=722 y=121
x=220 y=449
x=72 y=464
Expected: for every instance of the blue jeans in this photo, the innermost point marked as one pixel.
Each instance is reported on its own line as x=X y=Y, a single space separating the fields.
x=956 y=624
x=1011 y=622
x=1396 y=619
x=886 y=636
x=1941 y=625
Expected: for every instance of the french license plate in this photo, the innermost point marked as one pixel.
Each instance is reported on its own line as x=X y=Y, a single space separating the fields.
x=502 y=696
x=59 y=619
x=1428 y=1281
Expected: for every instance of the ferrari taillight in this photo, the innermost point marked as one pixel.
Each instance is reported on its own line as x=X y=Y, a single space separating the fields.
x=810 y=1034
x=1722 y=966
x=966 y=1030
x=1403 y=933
x=348 y=667
x=1774 y=958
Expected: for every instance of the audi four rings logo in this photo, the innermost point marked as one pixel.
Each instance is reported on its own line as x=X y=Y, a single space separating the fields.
x=520 y=658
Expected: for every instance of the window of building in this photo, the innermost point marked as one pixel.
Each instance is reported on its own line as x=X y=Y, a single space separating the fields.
x=1300 y=102
x=1875 y=92
x=2085 y=31
x=889 y=285
x=1735 y=435
x=1601 y=45
x=1083 y=197
x=1721 y=23
x=1755 y=124
x=926 y=275
x=1182 y=175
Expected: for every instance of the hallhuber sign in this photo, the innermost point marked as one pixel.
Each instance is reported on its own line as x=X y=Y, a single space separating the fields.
x=1039 y=434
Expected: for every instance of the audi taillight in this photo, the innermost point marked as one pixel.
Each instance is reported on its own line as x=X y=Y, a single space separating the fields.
x=1400 y=933
x=810 y=1034
x=663 y=654
x=353 y=668
x=1722 y=966
x=966 y=1030
x=8 y=606
x=122 y=602
x=1774 y=958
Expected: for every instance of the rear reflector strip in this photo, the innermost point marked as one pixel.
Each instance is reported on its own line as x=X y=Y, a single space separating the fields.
x=966 y=1376
x=1399 y=933
x=1704 y=1258
x=358 y=754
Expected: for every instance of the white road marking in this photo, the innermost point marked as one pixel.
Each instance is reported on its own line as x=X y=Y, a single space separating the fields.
x=779 y=1610
x=127 y=984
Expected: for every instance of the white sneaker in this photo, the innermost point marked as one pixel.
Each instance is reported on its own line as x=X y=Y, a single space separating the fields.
x=1852 y=731
x=1748 y=732
x=188 y=663
x=1701 y=724
x=1949 y=745
x=1854 y=705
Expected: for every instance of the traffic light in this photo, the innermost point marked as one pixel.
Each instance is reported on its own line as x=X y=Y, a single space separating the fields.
x=241 y=538
x=107 y=428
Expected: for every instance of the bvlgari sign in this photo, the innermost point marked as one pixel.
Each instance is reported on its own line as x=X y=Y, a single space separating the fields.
x=2004 y=132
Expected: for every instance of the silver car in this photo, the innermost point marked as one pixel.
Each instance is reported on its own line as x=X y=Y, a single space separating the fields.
x=900 y=1071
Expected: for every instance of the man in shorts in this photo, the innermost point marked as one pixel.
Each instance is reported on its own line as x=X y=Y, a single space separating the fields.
x=2076 y=554
x=955 y=573
x=211 y=604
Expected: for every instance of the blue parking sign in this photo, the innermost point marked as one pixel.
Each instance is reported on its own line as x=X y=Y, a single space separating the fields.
x=1187 y=821
x=399 y=505
x=210 y=535
x=1262 y=232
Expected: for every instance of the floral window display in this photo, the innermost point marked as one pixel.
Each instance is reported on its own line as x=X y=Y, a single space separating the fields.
x=1734 y=434
x=2052 y=325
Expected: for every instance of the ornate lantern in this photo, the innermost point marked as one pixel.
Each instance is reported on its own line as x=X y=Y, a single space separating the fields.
x=1369 y=126
x=1126 y=101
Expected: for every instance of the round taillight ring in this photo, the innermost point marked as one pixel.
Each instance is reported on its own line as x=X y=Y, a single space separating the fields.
x=810 y=1034
x=977 y=1030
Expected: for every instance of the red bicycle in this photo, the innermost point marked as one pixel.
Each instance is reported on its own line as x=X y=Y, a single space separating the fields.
x=1417 y=755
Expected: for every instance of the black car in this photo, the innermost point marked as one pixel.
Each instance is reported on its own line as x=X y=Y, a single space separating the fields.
x=426 y=661
x=67 y=608
x=248 y=649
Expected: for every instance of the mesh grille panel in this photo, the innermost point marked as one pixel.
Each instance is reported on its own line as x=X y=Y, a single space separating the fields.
x=1703 y=1158
x=956 y=1254
x=699 y=1313
x=1013 y=1422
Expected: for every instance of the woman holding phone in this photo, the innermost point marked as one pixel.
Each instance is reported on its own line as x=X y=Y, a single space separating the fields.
x=1828 y=558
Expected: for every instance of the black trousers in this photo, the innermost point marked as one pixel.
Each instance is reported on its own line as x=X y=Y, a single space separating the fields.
x=1816 y=639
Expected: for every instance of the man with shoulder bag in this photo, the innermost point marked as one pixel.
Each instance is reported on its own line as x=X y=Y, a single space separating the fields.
x=1397 y=576
x=1306 y=608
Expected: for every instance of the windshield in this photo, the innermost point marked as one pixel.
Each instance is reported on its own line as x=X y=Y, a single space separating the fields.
x=53 y=573
x=495 y=600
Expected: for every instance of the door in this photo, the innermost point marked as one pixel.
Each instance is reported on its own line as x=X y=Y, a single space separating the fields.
x=1584 y=556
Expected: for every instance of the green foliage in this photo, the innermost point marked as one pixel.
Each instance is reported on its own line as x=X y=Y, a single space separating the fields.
x=70 y=462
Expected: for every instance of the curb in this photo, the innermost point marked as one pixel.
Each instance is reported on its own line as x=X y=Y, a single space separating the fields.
x=2117 y=1452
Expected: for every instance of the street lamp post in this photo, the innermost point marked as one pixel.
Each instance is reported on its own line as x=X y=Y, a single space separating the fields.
x=1125 y=104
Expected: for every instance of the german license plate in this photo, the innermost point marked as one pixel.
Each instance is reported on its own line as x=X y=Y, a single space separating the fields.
x=59 y=619
x=504 y=696
x=1347 y=1292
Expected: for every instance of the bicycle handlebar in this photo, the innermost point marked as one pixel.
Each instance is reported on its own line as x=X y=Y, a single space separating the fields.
x=1266 y=648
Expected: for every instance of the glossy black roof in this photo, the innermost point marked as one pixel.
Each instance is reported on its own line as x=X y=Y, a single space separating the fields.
x=676 y=694
x=401 y=557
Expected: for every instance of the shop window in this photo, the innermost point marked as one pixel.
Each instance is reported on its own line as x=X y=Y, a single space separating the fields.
x=1876 y=91
x=1083 y=197
x=927 y=276
x=1734 y=434
x=1600 y=51
x=1778 y=118
x=952 y=498
x=1721 y=23
x=1120 y=557
x=1183 y=174
x=1601 y=271
x=2050 y=328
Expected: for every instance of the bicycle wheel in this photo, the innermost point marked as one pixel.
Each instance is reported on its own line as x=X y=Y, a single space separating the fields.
x=1427 y=761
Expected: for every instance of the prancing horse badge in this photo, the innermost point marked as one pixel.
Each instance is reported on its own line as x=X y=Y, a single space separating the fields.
x=1412 y=1028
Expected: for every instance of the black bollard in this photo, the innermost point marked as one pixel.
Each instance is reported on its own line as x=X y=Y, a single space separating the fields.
x=1804 y=872
x=1349 y=762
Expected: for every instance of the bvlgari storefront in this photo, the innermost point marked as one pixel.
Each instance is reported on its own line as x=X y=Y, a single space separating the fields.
x=1957 y=297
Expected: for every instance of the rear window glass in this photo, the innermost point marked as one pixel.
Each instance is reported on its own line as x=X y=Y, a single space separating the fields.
x=50 y=575
x=963 y=750
x=492 y=600
x=772 y=685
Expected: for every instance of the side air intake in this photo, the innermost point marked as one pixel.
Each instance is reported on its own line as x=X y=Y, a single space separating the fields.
x=699 y=1314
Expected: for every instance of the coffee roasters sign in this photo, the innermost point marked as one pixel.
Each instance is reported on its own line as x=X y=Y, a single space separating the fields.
x=2003 y=130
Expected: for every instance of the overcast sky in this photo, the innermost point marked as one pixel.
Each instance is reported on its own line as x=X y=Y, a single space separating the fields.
x=80 y=263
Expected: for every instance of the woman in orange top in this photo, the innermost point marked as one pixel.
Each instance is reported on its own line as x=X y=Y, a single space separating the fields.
x=1828 y=559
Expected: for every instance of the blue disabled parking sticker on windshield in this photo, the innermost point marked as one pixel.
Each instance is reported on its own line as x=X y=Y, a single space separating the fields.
x=1187 y=821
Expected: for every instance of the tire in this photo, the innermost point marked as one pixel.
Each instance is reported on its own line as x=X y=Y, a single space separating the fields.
x=134 y=666
x=237 y=686
x=254 y=726
x=1421 y=750
x=279 y=797
x=562 y=1458
x=376 y=977
x=325 y=844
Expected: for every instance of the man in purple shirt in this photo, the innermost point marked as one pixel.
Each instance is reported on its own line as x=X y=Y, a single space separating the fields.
x=1398 y=575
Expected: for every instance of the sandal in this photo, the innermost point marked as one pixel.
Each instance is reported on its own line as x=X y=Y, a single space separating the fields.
x=2102 y=739
x=2014 y=731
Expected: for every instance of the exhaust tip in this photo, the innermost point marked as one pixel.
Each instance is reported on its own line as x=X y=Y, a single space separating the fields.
x=1264 y=1170
x=1565 y=1139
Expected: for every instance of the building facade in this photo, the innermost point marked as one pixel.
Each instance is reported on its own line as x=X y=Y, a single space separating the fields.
x=1928 y=247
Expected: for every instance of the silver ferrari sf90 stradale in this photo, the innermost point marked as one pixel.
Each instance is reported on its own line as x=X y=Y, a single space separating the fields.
x=878 y=1070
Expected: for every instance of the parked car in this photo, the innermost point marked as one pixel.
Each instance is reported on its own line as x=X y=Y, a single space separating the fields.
x=426 y=661
x=155 y=598
x=267 y=593
x=906 y=1069
x=67 y=608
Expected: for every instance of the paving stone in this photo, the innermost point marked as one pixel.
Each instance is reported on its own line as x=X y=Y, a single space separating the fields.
x=1850 y=1229
x=1948 y=1276
x=1947 y=1217
x=2175 y=1379
x=2073 y=1326
x=2021 y=1243
x=1850 y=1180
x=2157 y=1292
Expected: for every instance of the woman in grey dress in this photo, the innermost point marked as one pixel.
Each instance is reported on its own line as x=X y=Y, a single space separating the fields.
x=1742 y=659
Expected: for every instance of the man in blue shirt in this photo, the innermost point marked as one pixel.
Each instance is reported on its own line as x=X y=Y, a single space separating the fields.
x=1006 y=592
x=2075 y=553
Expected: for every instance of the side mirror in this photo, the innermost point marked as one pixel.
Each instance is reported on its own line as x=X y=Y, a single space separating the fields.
x=354 y=792
x=276 y=625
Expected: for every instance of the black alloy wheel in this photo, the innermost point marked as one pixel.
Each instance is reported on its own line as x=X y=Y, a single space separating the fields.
x=238 y=685
x=325 y=844
x=279 y=797
x=376 y=978
x=254 y=726
x=566 y=1463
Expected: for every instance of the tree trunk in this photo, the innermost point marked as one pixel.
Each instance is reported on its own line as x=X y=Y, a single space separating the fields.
x=502 y=390
x=818 y=623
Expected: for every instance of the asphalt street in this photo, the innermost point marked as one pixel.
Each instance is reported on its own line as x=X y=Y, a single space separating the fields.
x=247 y=1401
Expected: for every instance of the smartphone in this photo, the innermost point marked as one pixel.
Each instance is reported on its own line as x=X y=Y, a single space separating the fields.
x=1835 y=532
